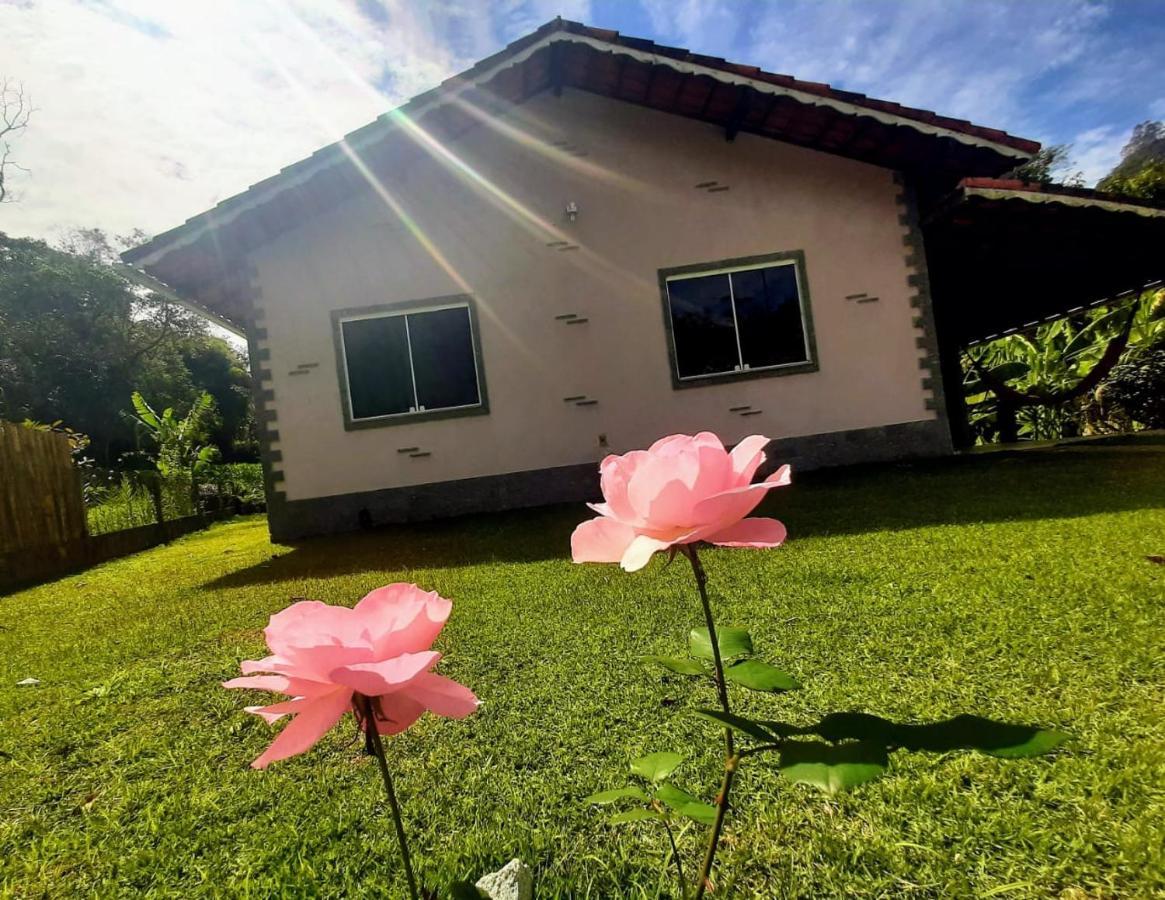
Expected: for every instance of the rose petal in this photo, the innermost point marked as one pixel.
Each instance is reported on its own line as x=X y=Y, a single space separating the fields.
x=442 y=695
x=260 y=683
x=640 y=551
x=300 y=687
x=309 y=725
x=262 y=712
x=399 y=711
x=310 y=624
x=401 y=618
x=675 y=443
x=616 y=473
x=600 y=540
x=782 y=477
x=756 y=533
x=726 y=508
x=747 y=457
x=384 y=676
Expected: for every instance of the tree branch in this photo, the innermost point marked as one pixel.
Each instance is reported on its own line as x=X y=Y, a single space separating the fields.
x=15 y=112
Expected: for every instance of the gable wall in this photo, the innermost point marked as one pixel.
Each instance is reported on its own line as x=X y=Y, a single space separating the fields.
x=639 y=212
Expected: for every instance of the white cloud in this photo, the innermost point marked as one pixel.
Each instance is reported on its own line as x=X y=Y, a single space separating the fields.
x=971 y=60
x=1037 y=69
x=151 y=112
x=1097 y=150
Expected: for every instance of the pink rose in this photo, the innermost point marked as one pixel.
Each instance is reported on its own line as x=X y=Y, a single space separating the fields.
x=682 y=490
x=326 y=657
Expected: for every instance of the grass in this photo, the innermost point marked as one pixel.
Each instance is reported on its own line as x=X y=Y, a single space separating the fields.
x=1015 y=587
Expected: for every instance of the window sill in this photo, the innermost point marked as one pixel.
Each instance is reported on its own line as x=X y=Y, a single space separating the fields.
x=800 y=368
x=413 y=418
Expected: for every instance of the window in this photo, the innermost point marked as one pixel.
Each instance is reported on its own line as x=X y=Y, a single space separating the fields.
x=401 y=364
x=738 y=318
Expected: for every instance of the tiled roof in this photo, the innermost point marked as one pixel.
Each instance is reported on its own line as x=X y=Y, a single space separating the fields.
x=564 y=54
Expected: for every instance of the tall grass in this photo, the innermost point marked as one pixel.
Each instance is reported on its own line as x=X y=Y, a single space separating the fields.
x=124 y=504
x=124 y=500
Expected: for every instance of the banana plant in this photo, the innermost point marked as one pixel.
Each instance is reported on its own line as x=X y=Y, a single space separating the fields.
x=182 y=452
x=1033 y=385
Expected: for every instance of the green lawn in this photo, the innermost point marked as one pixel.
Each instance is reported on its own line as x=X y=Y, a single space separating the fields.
x=1015 y=587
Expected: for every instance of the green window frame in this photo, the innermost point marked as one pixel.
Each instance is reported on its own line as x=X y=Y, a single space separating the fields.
x=734 y=364
x=408 y=359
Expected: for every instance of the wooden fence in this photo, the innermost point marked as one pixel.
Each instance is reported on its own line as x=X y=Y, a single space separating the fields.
x=40 y=493
x=42 y=515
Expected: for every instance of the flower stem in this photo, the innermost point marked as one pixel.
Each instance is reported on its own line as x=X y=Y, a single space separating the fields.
x=721 y=682
x=731 y=759
x=675 y=855
x=372 y=736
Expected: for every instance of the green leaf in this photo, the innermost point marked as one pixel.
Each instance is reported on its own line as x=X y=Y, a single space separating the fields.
x=633 y=815
x=1009 y=370
x=734 y=643
x=679 y=664
x=751 y=727
x=757 y=675
x=143 y=409
x=685 y=804
x=656 y=766
x=833 y=767
x=616 y=794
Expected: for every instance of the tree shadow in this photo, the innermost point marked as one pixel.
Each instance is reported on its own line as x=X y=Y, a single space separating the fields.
x=989 y=487
x=1002 y=486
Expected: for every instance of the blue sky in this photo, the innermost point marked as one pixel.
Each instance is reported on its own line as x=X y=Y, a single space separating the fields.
x=150 y=111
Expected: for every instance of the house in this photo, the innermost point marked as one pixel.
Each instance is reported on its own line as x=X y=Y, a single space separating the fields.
x=587 y=241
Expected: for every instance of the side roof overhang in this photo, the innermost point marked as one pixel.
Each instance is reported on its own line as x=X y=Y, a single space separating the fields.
x=1007 y=255
x=203 y=259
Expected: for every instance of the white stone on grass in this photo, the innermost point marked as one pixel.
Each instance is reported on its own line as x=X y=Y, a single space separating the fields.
x=513 y=881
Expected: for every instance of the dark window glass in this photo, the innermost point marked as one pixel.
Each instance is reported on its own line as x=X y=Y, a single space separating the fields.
x=443 y=358
x=701 y=316
x=377 y=355
x=768 y=314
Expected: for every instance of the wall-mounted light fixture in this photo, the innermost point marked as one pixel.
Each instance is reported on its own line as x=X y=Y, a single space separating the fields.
x=571 y=211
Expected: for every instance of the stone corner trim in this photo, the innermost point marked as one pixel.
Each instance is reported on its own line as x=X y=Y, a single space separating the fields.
x=244 y=283
x=918 y=280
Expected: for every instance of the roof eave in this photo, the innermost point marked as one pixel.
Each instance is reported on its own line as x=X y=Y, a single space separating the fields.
x=557 y=31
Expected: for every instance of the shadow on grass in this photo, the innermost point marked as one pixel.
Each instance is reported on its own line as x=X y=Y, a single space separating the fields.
x=857 y=746
x=1006 y=486
x=519 y=536
x=979 y=488
x=965 y=732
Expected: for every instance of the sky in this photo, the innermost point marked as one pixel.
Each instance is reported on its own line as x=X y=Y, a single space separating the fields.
x=151 y=111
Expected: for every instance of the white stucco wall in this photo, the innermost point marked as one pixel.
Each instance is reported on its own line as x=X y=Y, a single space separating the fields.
x=639 y=212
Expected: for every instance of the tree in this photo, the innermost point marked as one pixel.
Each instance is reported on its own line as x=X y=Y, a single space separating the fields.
x=15 y=112
x=1141 y=171
x=221 y=371
x=1046 y=165
x=77 y=339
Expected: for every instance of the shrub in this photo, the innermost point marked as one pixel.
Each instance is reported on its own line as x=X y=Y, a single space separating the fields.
x=1137 y=387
